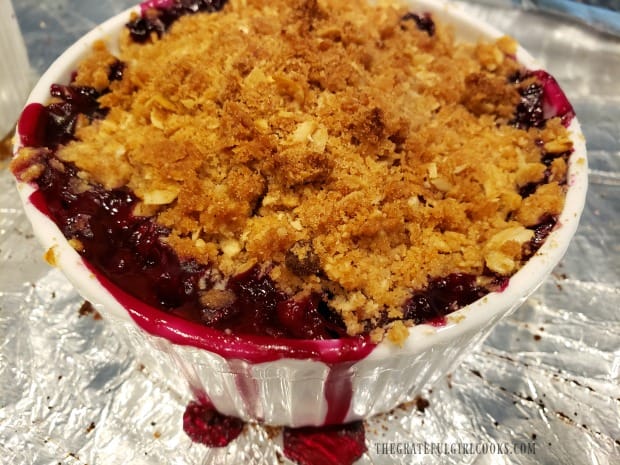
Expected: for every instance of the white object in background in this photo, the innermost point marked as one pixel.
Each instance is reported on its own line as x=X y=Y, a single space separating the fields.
x=15 y=80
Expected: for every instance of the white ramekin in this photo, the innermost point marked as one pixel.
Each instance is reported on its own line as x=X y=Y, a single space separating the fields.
x=266 y=380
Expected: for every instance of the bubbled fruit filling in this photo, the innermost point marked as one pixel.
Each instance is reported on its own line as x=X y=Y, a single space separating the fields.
x=129 y=251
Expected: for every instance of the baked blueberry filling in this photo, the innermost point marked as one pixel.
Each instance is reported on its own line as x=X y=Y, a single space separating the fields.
x=158 y=15
x=131 y=250
x=423 y=22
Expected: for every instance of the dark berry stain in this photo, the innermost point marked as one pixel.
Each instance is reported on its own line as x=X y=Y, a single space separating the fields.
x=90 y=427
x=327 y=445
x=421 y=404
x=205 y=425
x=87 y=309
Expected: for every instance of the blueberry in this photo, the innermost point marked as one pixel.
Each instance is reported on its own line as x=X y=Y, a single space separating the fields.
x=423 y=22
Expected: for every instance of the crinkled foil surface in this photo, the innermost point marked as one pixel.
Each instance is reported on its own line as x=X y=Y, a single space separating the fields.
x=546 y=380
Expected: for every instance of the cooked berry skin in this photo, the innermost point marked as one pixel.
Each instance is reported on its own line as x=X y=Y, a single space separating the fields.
x=423 y=22
x=443 y=296
x=158 y=20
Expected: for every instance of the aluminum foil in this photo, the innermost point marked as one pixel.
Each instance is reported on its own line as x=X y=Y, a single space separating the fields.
x=603 y=15
x=543 y=388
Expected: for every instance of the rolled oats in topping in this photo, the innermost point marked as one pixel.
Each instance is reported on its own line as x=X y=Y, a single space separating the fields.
x=350 y=151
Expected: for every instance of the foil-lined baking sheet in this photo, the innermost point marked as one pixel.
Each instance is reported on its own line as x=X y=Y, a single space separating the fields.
x=543 y=388
x=603 y=15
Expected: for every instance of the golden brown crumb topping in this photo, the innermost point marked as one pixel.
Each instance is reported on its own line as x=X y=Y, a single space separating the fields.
x=341 y=148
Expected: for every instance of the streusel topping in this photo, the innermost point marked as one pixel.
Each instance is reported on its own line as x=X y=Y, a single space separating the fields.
x=348 y=150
